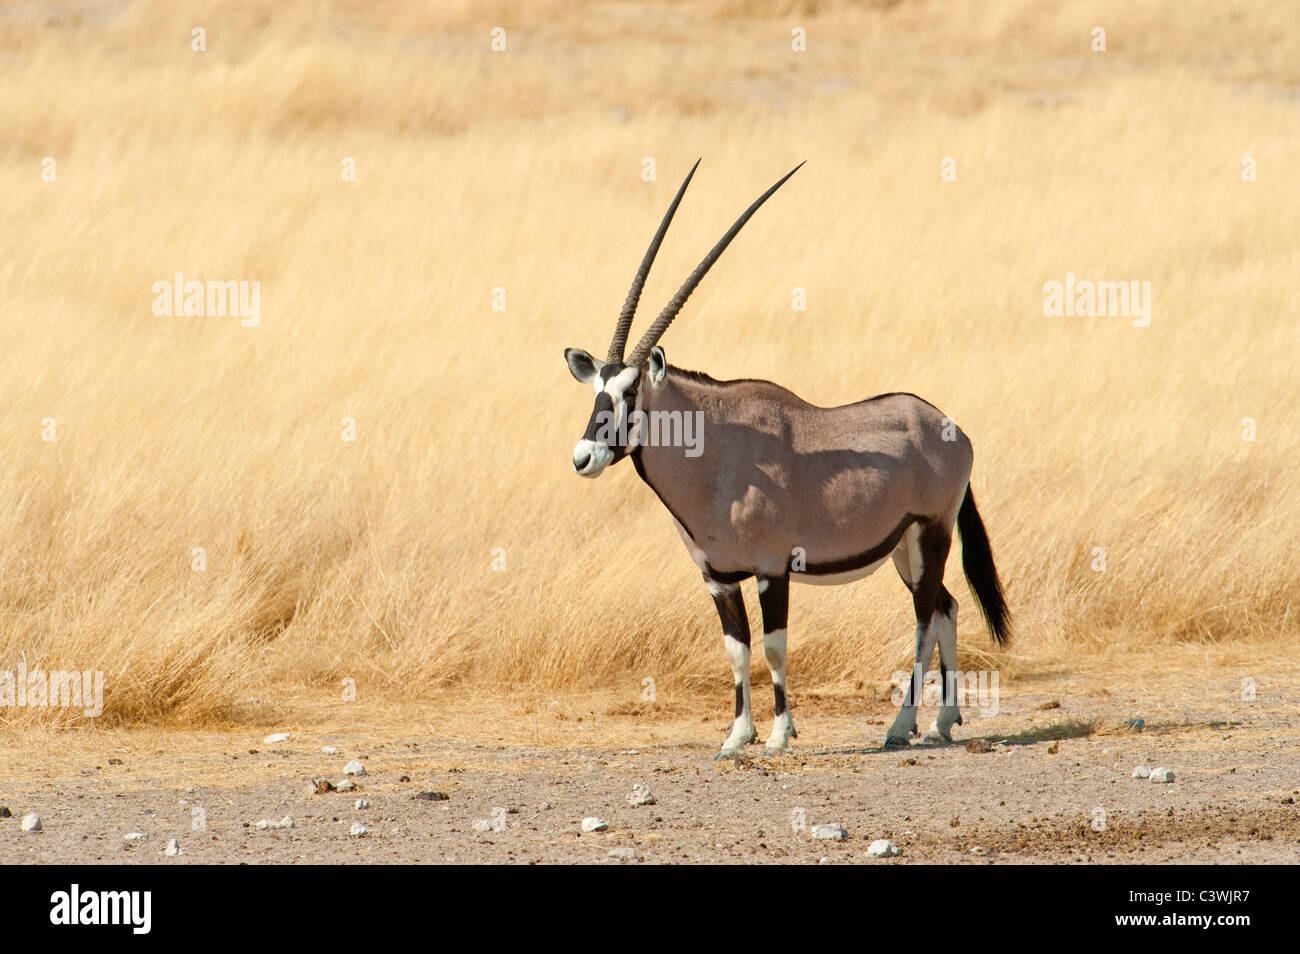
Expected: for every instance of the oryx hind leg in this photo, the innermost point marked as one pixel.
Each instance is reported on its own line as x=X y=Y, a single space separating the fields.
x=920 y=557
x=735 y=636
x=945 y=619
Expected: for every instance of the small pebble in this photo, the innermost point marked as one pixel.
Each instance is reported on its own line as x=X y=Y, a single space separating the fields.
x=361 y=804
x=832 y=830
x=173 y=848
x=354 y=768
x=1162 y=775
x=266 y=823
x=136 y=836
x=624 y=853
x=1142 y=771
x=31 y=822
x=882 y=848
x=359 y=830
x=275 y=738
x=347 y=785
x=594 y=824
x=640 y=796
x=330 y=750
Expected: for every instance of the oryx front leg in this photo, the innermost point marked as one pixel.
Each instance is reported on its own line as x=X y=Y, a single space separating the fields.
x=774 y=597
x=945 y=620
x=735 y=636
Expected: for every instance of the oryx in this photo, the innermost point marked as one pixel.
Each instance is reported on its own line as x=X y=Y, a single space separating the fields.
x=780 y=489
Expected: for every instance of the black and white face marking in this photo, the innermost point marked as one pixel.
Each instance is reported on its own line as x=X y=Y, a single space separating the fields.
x=608 y=437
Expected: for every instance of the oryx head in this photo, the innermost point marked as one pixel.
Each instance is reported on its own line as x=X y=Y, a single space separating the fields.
x=611 y=432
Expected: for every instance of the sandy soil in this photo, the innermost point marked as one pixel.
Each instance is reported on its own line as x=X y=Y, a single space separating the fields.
x=1056 y=786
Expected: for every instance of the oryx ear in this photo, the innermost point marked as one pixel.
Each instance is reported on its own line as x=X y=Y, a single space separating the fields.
x=582 y=366
x=657 y=367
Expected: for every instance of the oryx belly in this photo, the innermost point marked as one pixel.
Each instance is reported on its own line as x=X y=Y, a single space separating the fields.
x=832 y=579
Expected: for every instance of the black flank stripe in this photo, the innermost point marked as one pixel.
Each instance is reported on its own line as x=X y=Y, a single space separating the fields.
x=866 y=557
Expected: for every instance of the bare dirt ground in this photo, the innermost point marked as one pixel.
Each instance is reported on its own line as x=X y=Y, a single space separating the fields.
x=1056 y=787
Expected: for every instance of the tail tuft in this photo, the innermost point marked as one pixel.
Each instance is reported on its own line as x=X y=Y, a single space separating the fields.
x=981 y=574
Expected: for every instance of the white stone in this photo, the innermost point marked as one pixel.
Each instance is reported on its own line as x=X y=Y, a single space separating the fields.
x=362 y=804
x=1162 y=775
x=882 y=848
x=285 y=822
x=173 y=848
x=640 y=796
x=275 y=738
x=347 y=785
x=31 y=822
x=359 y=830
x=329 y=750
x=594 y=824
x=1142 y=771
x=624 y=853
x=354 y=768
x=136 y=836
x=830 y=830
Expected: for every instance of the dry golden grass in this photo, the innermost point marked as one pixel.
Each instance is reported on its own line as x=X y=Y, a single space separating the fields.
x=521 y=170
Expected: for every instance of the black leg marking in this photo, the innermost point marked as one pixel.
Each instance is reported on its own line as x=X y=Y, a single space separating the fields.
x=944 y=604
x=731 y=611
x=934 y=545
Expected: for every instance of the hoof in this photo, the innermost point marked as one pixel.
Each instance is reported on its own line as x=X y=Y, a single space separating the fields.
x=775 y=753
x=728 y=754
x=937 y=738
x=896 y=742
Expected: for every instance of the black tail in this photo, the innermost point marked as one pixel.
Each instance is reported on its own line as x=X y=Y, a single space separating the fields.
x=981 y=574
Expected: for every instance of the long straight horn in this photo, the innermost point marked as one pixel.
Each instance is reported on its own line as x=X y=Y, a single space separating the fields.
x=634 y=293
x=656 y=330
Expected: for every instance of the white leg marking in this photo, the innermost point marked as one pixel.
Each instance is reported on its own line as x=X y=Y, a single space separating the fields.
x=742 y=730
x=949 y=715
x=774 y=648
x=914 y=560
